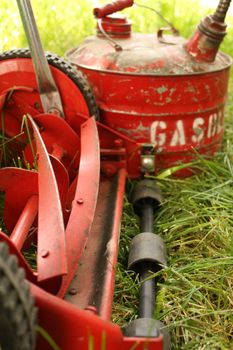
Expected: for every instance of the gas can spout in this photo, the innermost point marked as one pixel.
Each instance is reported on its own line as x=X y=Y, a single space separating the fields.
x=221 y=11
x=203 y=46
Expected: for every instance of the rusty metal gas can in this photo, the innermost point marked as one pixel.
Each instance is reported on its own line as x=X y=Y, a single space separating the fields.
x=160 y=90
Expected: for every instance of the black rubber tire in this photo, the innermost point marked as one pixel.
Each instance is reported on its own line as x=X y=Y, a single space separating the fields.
x=68 y=69
x=17 y=310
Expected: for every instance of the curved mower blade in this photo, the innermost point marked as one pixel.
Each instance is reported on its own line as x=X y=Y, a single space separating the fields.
x=51 y=257
x=85 y=199
x=60 y=140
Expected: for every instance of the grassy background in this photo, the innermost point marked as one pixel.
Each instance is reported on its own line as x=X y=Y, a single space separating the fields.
x=64 y=24
x=196 y=300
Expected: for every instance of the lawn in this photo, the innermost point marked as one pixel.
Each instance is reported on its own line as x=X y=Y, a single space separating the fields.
x=196 y=298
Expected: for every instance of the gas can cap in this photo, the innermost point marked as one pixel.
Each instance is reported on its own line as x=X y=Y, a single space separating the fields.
x=116 y=26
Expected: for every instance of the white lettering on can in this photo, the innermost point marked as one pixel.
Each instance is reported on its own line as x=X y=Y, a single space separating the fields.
x=197 y=128
x=177 y=133
x=178 y=137
x=158 y=137
x=213 y=125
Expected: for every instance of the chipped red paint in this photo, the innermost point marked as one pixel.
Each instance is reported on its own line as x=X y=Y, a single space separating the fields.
x=203 y=46
x=157 y=93
x=177 y=113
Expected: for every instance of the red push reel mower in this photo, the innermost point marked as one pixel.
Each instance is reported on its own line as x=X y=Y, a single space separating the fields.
x=67 y=199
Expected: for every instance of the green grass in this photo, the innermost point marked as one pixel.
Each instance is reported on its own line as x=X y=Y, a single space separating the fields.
x=196 y=298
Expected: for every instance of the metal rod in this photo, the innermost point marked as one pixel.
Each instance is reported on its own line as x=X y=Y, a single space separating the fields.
x=147 y=288
x=49 y=94
x=112 y=42
x=157 y=13
x=25 y=221
x=147 y=295
x=147 y=217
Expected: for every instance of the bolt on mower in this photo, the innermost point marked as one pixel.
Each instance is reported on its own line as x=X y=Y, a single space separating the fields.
x=120 y=106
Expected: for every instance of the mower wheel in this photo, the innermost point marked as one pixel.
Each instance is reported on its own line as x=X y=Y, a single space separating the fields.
x=65 y=67
x=17 y=310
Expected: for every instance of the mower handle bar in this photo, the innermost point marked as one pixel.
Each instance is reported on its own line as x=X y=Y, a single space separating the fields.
x=49 y=94
x=100 y=12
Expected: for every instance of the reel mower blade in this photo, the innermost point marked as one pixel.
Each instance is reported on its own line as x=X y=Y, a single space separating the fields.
x=84 y=201
x=51 y=258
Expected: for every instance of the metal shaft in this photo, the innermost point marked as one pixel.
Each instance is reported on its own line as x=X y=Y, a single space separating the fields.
x=147 y=217
x=221 y=10
x=49 y=94
x=147 y=288
x=147 y=295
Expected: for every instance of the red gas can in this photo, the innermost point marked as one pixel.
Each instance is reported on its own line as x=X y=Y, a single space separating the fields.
x=159 y=89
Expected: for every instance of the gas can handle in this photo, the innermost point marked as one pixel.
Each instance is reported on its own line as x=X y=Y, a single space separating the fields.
x=160 y=32
x=100 y=12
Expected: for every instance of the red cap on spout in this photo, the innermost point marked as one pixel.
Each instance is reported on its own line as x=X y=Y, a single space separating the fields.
x=204 y=44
